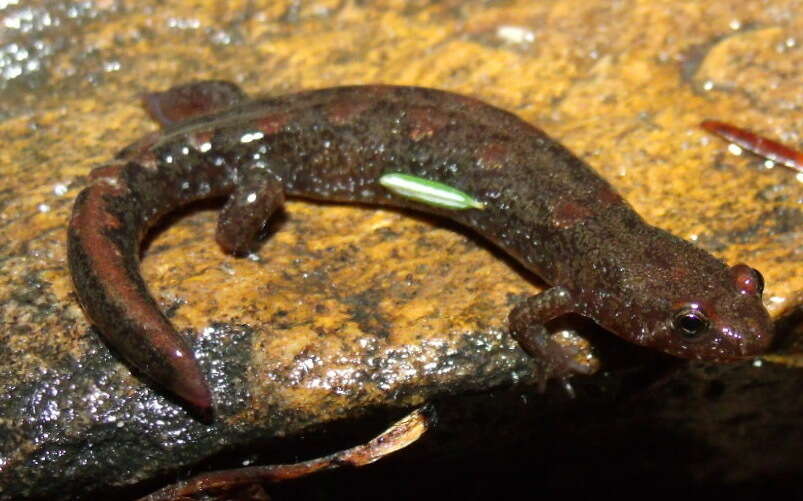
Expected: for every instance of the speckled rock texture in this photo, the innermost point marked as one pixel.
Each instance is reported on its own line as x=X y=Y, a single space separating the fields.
x=346 y=312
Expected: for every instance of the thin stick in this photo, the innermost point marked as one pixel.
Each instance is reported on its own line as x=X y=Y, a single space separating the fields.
x=401 y=434
x=759 y=145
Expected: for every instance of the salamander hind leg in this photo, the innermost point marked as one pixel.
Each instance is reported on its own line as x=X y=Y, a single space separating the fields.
x=258 y=194
x=191 y=100
x=527 y=325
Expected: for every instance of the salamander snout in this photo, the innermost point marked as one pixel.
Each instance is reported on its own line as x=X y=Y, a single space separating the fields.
x=718 y=331
x=744 y=331
x=732 y=325
x=743 y=315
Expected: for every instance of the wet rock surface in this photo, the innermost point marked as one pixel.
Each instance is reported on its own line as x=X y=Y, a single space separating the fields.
x=347 y=313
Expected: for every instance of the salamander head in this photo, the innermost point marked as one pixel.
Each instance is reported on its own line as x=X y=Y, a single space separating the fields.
x=726 y=322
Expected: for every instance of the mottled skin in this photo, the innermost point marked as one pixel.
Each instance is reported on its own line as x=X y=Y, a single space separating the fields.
x=543 y=206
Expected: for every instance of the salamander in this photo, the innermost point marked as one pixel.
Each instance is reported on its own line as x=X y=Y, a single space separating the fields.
x=535 y=200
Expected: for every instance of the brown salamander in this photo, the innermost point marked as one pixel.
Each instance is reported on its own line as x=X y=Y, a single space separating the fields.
x=542 y=205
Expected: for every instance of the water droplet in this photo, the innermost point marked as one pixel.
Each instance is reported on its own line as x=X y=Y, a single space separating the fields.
x=515 y=34
x=251 y=136
x=735 y=149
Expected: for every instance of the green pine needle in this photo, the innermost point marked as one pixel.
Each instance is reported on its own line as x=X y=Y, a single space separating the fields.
x=429 y=192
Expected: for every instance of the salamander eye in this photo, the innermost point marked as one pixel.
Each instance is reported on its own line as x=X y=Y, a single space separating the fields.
x=690 y=323
x=759 y=280
x=748 y=280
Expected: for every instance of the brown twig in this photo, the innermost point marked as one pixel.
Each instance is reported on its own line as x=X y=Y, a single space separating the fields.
x=401 y=434
x=767 y=148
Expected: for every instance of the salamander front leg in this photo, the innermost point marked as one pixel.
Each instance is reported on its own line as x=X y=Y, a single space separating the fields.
x=527 y=325
x=258 y=194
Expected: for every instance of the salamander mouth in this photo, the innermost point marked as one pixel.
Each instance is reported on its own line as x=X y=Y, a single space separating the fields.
x=749 y=349
x=729 y=351
x=732 y=359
